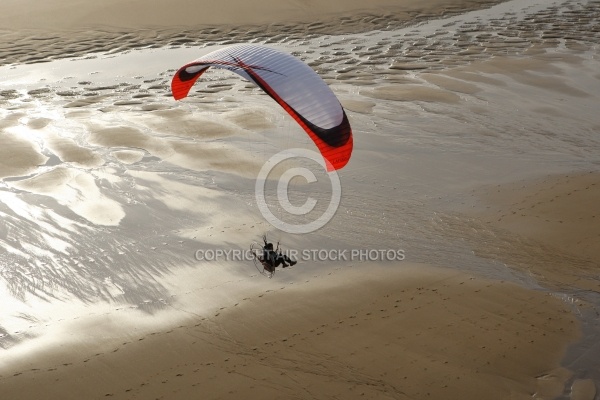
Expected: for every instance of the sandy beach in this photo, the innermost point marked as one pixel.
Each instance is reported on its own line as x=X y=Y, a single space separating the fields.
x=408 y=332
x=475 y=166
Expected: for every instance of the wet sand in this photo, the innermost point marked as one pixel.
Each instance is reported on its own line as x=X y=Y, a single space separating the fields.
x=475 y=152
x=34 y=33
x=403 y=331
x=136 y=14
x=559 y=212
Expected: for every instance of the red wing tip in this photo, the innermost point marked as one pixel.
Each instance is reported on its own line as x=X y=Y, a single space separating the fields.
x=336 y=164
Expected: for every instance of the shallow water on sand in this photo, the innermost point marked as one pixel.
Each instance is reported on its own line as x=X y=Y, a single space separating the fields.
x=110 y=187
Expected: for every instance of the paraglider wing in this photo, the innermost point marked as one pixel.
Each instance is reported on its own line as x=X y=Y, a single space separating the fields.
x=292 y=84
